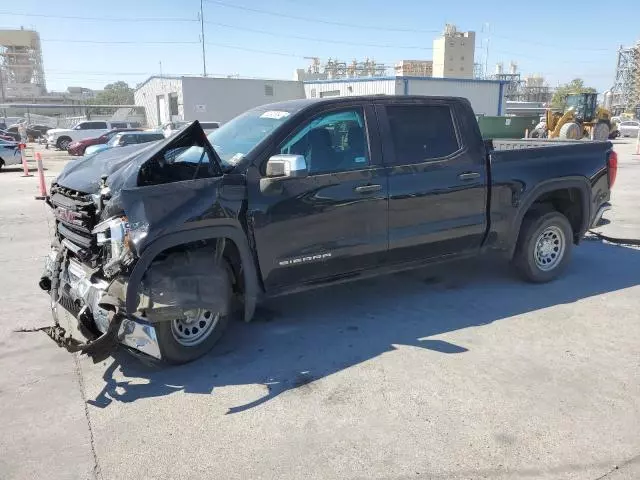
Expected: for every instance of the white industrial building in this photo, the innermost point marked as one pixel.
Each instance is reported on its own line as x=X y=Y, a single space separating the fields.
x=486 y=96
x=207 y=98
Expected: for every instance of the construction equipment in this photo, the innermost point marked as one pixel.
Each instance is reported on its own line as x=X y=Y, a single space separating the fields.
x=582 y=118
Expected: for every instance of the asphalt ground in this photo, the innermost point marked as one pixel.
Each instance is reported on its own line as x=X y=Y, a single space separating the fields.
x=459 y=373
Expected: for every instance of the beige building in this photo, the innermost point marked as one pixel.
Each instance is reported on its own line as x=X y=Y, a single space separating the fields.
x=414 y=68
x=453 y=53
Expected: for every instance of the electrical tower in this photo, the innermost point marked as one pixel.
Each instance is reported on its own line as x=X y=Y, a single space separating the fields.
x=626 y=88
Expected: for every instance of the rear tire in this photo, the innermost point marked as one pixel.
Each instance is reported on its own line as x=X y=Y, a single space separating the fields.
x=570 y=131
x=544 y=248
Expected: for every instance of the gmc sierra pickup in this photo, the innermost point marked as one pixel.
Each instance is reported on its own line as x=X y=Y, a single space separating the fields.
x=157 y=246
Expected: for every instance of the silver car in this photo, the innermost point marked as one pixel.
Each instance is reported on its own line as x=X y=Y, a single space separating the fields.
x=629 y=128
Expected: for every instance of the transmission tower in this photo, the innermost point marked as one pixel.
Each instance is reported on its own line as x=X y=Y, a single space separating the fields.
x=626 y=88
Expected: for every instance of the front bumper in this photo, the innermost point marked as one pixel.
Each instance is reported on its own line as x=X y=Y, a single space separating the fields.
x=99 y=318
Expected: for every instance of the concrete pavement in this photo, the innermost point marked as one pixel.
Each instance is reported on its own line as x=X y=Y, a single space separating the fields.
x=460 y=373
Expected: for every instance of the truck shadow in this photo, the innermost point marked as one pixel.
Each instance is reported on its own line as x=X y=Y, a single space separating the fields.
x=298 y=339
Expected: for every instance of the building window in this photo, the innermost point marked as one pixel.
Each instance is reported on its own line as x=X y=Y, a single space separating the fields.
x=462 y=58
x=462 y=69
x=330 y=93
x=350 y=89
x=173 y=104
x=313 y=93
x=268 y=90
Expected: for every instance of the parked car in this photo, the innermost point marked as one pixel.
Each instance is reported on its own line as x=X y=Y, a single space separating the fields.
x=629 y=128
x=9 y=153
x=121 y=139
x=63 y=137
x=78 y=148
x=209 y=127
x=155 y=246
x=9 y=136
x=169 y=128
x=33 y=131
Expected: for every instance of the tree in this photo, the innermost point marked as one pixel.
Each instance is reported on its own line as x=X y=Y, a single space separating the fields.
x=576 y=85
x=118 y=93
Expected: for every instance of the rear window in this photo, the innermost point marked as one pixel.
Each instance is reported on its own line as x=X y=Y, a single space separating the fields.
x=422 y=132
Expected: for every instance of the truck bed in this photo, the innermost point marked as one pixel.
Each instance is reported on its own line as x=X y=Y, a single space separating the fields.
x=506 y=144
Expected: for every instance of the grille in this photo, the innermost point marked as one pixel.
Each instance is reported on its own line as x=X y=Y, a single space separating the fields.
x=75 y=215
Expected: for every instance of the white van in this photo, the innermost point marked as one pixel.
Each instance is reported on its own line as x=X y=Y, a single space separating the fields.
x=63 y=137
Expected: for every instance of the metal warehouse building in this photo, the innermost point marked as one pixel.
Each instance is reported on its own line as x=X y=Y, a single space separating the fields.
x=486 y=96
x=206 y=98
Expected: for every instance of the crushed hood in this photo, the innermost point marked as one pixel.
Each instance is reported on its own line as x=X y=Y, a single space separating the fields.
x=121 y=165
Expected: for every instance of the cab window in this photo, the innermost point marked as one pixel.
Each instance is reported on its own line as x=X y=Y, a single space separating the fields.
x=331 y=142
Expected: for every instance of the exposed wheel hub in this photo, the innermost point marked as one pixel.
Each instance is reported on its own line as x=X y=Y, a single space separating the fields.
x=194 y=326
x=549 y=248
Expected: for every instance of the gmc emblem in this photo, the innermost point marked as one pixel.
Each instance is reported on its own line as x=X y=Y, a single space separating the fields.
x=66 y=215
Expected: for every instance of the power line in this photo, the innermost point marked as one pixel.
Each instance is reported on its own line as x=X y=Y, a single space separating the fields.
x=319 y=40
x=122 y=42
x=267 y=52
x=318 y=20
x=102 y=19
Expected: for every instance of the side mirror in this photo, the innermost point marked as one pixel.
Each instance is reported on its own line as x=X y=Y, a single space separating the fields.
x=287 y=166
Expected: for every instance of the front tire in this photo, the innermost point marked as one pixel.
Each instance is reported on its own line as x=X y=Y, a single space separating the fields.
x=544 y=248
x=204 y=330
x=63 y=143
x=570 y=131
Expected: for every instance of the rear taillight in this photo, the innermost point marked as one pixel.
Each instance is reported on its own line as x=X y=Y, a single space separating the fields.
x=613 y=168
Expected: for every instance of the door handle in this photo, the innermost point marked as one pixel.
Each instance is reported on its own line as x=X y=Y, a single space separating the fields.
x=469 y=176
x=368 y=188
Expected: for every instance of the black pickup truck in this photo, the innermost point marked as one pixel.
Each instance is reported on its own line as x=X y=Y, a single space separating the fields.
x=157 y=246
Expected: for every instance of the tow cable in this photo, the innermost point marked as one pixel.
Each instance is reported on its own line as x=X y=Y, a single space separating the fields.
x=618 y=241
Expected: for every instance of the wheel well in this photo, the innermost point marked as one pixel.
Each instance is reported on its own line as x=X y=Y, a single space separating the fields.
x=230 y=253
x=567 y=201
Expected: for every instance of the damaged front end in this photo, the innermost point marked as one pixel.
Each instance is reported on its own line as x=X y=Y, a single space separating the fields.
x=85 y=274
x=103 y=226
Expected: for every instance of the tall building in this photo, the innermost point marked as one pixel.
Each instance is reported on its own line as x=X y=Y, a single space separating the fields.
x=453 y=53
x=21 y=70
x=414 y=68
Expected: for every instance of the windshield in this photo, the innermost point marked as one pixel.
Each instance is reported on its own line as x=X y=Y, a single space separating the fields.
x=114 y=140
x=233 y=140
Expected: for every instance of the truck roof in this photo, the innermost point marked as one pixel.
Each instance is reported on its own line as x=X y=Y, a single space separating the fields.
x=300 y=104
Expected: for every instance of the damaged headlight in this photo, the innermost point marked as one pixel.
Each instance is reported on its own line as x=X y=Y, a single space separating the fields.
x=114 y=233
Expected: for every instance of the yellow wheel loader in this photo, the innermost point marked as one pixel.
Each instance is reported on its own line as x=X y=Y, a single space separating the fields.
x=582 y=118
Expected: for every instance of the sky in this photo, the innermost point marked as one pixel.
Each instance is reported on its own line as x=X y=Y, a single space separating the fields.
x=93 y=43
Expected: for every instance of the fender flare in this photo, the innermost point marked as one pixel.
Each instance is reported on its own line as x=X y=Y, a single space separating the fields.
x=580 y=183
x=233 y=233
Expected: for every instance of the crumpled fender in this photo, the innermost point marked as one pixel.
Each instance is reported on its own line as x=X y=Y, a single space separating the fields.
x=220 y=228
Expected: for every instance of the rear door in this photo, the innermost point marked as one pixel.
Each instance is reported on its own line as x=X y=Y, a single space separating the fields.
x=437 y=183
x=334 y=221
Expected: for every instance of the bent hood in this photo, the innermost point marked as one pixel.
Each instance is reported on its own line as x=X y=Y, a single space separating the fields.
x=121 y=165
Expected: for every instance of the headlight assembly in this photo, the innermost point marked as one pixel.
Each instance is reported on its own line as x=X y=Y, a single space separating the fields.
x=114 y=233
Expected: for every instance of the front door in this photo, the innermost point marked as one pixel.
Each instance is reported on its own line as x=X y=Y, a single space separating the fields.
x=437 y=182
x=334 y=221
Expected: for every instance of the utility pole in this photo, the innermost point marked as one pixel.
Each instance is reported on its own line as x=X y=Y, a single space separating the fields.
x=486 y=57
x=204 y=59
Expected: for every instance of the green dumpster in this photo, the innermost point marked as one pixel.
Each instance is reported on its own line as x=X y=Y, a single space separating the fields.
x=506 y=127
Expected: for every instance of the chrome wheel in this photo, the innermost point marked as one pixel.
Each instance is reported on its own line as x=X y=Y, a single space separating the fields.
x=549 y=248
x=194 y=326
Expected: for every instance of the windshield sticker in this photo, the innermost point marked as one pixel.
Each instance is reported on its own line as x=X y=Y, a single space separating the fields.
x=275 y=114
